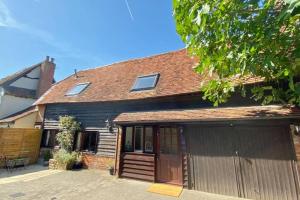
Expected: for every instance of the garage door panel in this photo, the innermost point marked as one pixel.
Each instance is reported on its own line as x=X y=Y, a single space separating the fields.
x=213 y=165
x=246 y=161
x=266 y=163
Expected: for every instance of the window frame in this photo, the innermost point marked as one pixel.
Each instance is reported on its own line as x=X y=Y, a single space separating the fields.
x=50 y=140
x=87 y=135
x=178 y=145
x=156 y=75
x=132 y=139
x=82 y=90
x=144 y=150
x=143 y=140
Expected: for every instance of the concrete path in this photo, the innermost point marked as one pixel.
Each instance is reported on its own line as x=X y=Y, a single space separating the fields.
x=87 y=184
x=21 y=171
x=28 y=177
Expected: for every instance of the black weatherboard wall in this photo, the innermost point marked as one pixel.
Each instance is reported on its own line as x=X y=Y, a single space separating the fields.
x=93 y=115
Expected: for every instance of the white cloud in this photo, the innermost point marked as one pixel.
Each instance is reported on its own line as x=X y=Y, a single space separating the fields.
x=7 y=20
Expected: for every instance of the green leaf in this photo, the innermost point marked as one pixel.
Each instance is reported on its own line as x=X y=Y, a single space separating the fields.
x=242 y=38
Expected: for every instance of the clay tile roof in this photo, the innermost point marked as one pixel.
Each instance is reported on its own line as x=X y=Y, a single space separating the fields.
x=210 y=114
x=114 y=82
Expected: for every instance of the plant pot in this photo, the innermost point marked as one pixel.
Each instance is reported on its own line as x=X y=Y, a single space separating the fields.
x=46 y=163
x=66 y=166
x=77 y=165
x=111 y=171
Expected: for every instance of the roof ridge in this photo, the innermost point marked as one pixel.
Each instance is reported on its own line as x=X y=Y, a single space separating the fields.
x=131 y=60
x=18 y=73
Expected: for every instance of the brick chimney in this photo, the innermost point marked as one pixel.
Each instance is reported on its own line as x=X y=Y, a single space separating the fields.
x=46 y=76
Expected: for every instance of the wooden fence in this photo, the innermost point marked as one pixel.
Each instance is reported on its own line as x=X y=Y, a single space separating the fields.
x=20 y=142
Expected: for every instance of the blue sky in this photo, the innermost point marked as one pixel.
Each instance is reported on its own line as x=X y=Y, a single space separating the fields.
x=83 y=34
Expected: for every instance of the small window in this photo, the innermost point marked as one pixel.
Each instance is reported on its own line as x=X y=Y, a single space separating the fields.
x=149 y=139
x=128 y=139
x=138 y=139
x=145 y=82
x=77 y=89
x=49 y=138
x=87 y=141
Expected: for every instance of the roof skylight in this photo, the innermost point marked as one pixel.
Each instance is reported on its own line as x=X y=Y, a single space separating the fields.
x=145 y=82
x=77 y=89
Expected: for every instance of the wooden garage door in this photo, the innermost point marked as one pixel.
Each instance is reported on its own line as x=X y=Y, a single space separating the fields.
x=255 y=162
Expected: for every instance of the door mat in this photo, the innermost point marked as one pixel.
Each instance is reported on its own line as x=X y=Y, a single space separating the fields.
x=164 y=189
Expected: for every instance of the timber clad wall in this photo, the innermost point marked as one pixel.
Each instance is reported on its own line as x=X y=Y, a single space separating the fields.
x=107 y=142
x=20 y=143
x=92 y=116
x=138 y=166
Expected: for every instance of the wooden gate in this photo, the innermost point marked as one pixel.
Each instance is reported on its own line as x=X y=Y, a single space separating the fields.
x=255 y=162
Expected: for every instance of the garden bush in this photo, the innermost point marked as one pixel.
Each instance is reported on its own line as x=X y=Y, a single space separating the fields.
x=65 y=159
x=47 y=155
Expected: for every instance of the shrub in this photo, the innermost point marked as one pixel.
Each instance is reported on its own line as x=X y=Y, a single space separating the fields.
x=67 y=128
x=47 y=155
x=65 y=159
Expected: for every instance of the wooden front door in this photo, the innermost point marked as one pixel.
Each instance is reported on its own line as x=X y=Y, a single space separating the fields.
x=169 y=159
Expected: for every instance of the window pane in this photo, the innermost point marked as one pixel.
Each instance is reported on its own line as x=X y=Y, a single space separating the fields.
x=77 y=89
x=128 y=139
x=145 y=82
x=93 y=141
x=168 y=141
x=138 y=139
x=148 y=139
x=89 y=141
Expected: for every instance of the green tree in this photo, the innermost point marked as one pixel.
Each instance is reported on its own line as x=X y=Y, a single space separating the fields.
x=238 y=39
x=67 y=128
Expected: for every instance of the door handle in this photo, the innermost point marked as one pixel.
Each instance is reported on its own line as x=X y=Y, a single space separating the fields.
x=237 y=153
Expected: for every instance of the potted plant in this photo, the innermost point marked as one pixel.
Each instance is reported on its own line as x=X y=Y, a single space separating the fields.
x=65 y=160
x=78 y=162
x=111 y=167
x=65 y=157
x=47 y=157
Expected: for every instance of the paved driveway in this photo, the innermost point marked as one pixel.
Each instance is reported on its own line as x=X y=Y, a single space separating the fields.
x=86 y=184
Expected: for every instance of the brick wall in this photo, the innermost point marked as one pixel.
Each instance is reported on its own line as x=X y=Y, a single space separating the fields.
x=91 y=161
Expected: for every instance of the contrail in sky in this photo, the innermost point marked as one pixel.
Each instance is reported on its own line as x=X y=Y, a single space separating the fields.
x=129 y=10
